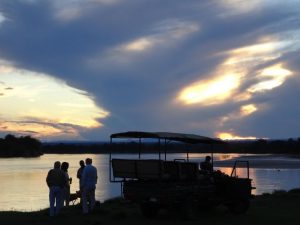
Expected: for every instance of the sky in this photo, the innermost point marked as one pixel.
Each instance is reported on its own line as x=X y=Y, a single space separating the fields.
x=84 y=69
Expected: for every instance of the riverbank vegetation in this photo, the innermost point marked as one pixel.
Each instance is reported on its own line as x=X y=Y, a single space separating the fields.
x=24 y=146
x=278 y=208
x=260 y=146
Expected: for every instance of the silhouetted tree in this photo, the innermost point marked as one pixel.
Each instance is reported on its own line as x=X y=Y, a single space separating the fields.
x=12 y=146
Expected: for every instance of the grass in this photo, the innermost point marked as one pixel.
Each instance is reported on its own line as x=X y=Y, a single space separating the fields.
x=280 y=207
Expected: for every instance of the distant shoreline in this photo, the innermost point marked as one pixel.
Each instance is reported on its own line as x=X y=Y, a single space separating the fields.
x=244 y=147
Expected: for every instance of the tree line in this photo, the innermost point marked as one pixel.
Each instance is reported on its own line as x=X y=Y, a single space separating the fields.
x=24 y=146
x=260 y=146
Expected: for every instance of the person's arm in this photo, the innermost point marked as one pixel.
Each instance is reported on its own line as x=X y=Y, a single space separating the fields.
x=48 y=179
x=67 y=179
x=96 y=175
x=83 y=177
x=79 y=173
x=62 y=179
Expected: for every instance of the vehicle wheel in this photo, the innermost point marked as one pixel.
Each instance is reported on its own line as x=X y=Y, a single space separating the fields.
x=149 y=210
x=239 y=206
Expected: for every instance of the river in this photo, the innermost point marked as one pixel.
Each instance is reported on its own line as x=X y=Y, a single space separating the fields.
x=23 y=186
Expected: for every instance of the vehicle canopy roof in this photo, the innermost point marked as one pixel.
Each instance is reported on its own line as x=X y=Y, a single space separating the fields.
x=185 y=138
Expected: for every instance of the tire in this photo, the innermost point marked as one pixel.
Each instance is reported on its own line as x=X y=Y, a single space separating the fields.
x=239 y=206
x=149 y=210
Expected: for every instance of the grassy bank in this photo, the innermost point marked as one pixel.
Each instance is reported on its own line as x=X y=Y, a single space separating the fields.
x=278 y=208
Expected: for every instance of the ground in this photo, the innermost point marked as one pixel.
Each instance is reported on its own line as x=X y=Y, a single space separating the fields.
x=269 y=209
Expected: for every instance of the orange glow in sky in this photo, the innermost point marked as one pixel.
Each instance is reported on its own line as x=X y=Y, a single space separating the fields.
x=230 y=136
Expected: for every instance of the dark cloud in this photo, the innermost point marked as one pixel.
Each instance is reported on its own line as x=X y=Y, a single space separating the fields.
x=138 y=87
x=40 y=122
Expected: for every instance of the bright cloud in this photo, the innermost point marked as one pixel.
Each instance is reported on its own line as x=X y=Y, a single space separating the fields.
x=247 y=110
x=240 y=63
x=249 y=79
x=272 y=77
x=244 y=111
x=139 y=45
x=210 y=92
x=257 y=53
x=27 y=109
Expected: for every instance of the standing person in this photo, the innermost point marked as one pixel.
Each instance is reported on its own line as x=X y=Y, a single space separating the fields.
x=89 y=181
x=55 y=181
x=67 y=182
x=79 y=173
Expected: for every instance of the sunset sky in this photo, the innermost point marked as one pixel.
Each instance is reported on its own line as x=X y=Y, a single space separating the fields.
x=83 y=69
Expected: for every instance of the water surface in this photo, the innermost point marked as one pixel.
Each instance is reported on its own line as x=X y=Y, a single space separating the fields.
x=23 y=186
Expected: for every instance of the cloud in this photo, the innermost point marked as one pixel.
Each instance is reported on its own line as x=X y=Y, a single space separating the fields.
x=134 y=59
x=39 y=128
x=2 y=18
x=210 y=92
x=271 y=77
x=160 y=37
x=42 y=99
x=69 y=10
x=248 y=109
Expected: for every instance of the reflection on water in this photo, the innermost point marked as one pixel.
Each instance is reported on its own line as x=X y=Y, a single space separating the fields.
x=23 y=186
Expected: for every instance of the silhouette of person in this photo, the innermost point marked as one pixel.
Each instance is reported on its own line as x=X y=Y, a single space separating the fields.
x=79 y=173
x=206 y=165
x=89 y=180
x=67 y=183
x=55 y=180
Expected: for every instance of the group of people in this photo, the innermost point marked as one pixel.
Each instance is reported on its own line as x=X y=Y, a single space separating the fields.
x=59 y=182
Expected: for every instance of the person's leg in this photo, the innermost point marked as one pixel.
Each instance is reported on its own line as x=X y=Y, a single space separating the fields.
x=67 y=197
x=59 y=200
x=84 y=201
x=63 y=196
x=80 y=194
x=52 y=201
x=92 y=199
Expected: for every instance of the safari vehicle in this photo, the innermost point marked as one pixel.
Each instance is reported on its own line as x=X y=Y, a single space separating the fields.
x=179 y=183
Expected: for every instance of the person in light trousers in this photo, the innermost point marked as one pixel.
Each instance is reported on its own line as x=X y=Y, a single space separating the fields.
x=55 y=181
x=89 y=180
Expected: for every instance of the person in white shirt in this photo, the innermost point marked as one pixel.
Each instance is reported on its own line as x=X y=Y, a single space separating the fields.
x=88 y=181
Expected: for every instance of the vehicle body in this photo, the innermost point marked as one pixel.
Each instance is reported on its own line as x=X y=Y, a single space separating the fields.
x=179 y=184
